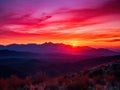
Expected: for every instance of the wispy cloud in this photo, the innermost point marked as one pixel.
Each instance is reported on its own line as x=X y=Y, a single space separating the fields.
x=63 y=23
x=110 y=40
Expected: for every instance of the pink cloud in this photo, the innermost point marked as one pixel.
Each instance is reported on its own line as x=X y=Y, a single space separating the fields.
x=61 y=24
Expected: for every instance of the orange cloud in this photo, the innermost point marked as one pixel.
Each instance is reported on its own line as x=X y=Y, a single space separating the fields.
x=71 y=26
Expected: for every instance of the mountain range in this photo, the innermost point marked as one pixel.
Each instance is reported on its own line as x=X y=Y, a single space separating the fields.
x=51 y=52
x=53 y=59
x=50 y=48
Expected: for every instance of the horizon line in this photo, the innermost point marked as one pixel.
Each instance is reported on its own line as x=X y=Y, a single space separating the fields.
x=49 y=42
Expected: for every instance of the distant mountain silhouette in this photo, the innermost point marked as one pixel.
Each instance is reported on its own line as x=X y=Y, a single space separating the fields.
x=11 y=56
x=53 y=59
x=52 y=68
x=14 y=54
x=50 y=48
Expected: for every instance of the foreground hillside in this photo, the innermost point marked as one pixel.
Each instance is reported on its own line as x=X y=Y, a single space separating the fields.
x=101 y=77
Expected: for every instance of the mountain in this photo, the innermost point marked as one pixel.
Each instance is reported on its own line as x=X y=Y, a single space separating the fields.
x=15 y=54
x=23 y=60
x=52 y=69
x=51 y=48
x=11 y=56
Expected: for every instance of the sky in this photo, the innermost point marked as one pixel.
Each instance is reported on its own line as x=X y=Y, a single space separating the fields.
x=75 y=22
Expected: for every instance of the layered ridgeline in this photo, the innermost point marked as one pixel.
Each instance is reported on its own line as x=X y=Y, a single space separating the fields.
x=51 y=48
x=53 y=59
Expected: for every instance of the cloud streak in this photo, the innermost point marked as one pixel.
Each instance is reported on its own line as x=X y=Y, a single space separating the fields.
x=79 y=24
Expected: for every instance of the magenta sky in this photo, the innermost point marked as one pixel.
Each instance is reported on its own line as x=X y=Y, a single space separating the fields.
x=75 y=22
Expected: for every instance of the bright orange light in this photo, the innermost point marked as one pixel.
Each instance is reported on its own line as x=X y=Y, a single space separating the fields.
x=74 y=44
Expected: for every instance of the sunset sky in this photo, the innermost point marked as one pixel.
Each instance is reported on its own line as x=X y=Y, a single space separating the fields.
x=74 y=22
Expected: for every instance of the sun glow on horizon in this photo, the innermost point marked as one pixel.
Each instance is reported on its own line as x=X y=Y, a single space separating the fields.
x=74 y=45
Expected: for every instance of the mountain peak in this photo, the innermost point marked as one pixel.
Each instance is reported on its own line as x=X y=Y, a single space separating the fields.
x=49 y=47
